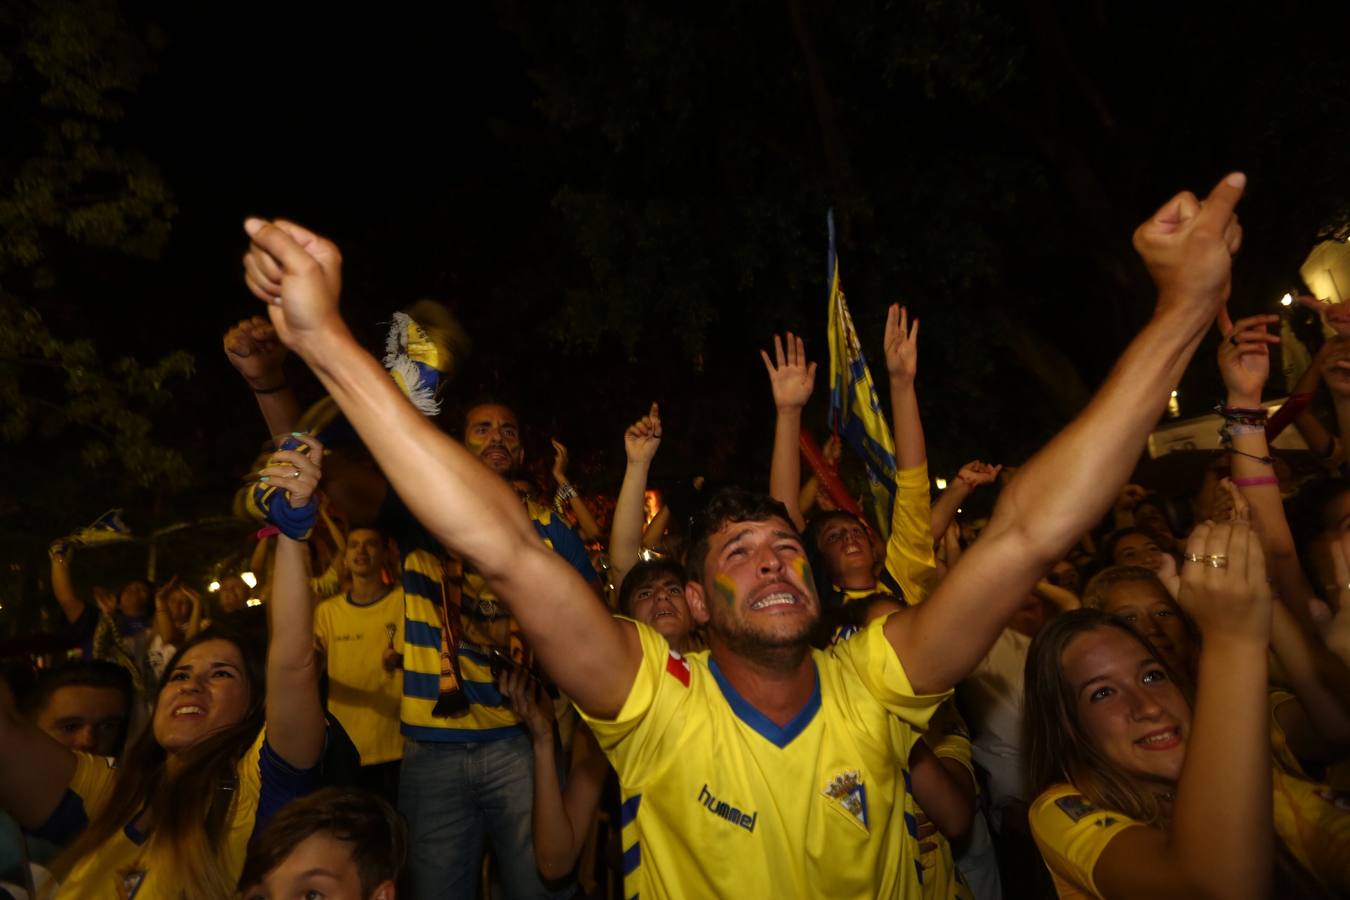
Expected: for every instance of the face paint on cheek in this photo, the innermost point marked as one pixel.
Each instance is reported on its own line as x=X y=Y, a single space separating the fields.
x=803 y=570
x=474 y=444
x=726 y=589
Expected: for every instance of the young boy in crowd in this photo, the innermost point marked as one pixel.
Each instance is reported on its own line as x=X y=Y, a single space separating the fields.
x=339 y=843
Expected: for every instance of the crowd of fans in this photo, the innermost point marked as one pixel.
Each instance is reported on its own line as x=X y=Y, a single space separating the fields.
x=489 y=691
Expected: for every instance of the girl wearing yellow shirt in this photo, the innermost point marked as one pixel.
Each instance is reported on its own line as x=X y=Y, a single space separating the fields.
x=1146 y=791
x=229 y=744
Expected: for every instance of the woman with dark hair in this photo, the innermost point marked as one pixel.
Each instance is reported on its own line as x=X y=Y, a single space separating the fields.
x=230 y=744
x=1148 y=791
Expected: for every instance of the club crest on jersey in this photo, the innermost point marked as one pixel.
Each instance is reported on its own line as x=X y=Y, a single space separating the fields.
x=848 y=791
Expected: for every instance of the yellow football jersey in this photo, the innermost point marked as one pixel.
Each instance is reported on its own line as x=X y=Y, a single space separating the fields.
x=910 y=570
x=1072 y=833
x=125 y=866
x=363 y=696
x=720 y=801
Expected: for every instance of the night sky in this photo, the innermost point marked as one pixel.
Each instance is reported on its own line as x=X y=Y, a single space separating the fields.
x=530 y=165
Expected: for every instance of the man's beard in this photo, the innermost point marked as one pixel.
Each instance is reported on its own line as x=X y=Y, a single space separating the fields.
x=783 y=652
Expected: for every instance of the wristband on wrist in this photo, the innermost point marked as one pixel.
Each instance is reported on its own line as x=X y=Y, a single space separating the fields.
x=566 y=493
x=1254 y=480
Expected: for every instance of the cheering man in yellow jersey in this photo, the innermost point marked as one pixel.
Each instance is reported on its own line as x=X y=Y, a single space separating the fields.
x=761 y=767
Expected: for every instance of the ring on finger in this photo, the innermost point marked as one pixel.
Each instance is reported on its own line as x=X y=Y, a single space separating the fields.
x=295 y=474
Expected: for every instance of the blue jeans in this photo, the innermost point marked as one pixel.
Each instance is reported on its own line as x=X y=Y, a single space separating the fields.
x=453 y=795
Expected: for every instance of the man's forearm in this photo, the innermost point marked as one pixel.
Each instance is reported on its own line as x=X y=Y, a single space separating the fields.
x=910 y=450
x=64 y=589
x=1054 y=498
x=476 y=515
x=944 y=510
x=280 y=409
x=625 y=540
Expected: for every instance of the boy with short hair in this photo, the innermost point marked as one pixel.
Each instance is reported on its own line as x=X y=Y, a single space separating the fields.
x=342 y=842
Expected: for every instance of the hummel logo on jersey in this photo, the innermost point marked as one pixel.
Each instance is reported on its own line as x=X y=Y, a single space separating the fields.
x=849 y=792
x=726 y=810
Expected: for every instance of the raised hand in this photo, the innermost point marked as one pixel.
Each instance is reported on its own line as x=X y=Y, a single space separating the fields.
x=1244 y=356
x=1188 y=247
x=791 y=377
x=559 y=462
x=253 y=348
x=1223 y=582
x=902 y=345
x=528 y=701
x=299 y=276
x=106 y=600
x=164 y=593
x=295 y=471
x=643 y=437
x=975 y=473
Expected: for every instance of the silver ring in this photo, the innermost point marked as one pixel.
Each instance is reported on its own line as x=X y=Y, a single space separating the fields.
x=295 y=474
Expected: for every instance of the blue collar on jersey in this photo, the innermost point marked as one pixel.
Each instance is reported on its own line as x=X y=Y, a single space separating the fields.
x=778 y=736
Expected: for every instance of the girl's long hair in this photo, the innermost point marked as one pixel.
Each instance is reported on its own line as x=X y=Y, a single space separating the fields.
x=190 y=809
x=1059 y=750
x=1057 y=747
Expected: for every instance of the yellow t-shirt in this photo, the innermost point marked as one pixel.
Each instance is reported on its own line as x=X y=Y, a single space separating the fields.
x=124 y=867
x=910 y=568
x=948 y=738
x=1279 y=742
x=720 y=801
x=1072 y=833
x=363 y=696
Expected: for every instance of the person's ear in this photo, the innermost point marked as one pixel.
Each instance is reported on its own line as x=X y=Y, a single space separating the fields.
x=385 y=891
x=698 y=602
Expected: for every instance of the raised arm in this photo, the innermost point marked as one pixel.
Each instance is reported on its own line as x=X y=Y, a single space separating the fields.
x=561 y=816
x=586 y=526
x=792 y=380
x=467 y=507
x=253 y=348
x=1221 y=837
x=1067 y=486
x=972 y=475
x=295 y=720
x=902 y=367
x=63 y=586
x=640 y=443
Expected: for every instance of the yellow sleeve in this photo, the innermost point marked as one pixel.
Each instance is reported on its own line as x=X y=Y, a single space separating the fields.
x=94 y=780
x=641 y=740
x=1072 y=833
x=909 y=550
x=868 y=660
x=949 y=738
x=1279 y=741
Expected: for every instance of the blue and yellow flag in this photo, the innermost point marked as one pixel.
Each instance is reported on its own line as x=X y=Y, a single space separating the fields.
x=855 y=408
